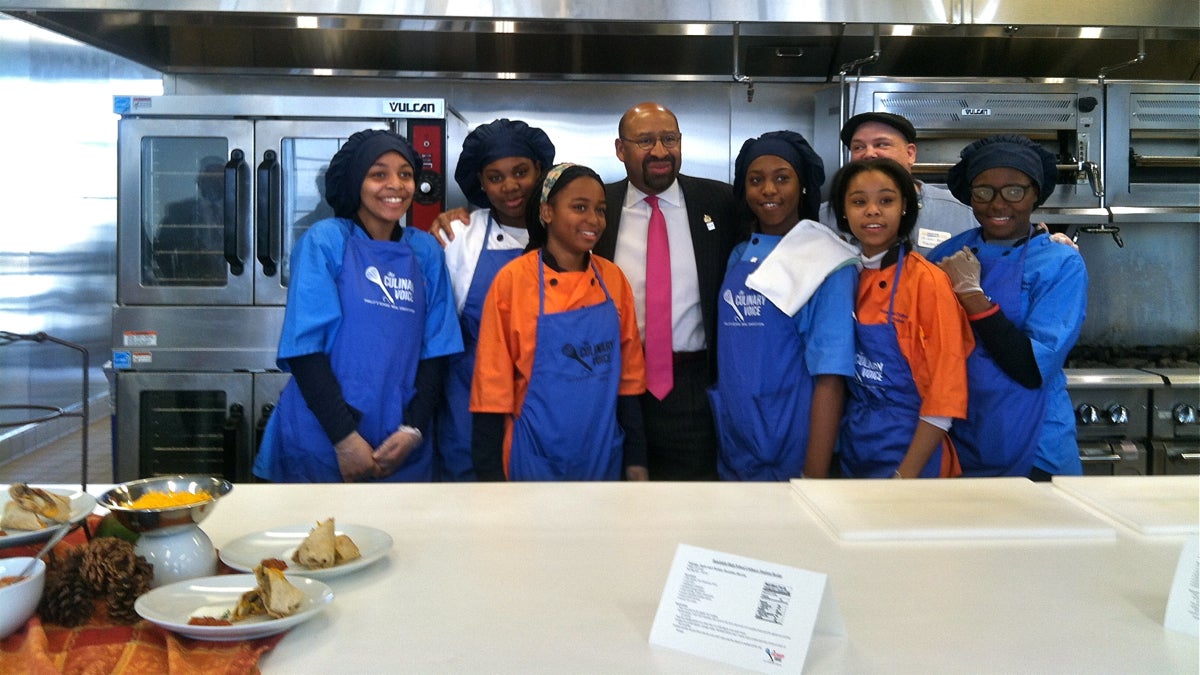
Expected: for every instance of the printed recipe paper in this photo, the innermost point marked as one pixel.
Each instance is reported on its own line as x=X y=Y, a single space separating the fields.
x=745 y=612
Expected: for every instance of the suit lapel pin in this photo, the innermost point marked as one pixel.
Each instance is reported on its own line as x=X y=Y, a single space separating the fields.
x=708 y=222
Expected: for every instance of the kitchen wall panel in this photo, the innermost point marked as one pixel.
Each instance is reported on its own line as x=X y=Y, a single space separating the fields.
x=1144 y=293
x=57 y=218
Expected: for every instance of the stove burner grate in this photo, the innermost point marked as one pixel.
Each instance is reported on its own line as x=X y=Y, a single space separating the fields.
x=1141 y=356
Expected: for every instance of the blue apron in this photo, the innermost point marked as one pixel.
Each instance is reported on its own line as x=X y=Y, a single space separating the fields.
x=883 y=407
x=374 y=357
x=1004 y=420
x=454 y=418
x=567 y=428
x=763 y=396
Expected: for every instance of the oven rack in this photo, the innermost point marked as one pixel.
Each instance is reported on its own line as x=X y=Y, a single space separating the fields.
x=46 y=413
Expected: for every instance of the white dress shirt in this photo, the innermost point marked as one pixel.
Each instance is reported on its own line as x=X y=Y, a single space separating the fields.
x=687 y=323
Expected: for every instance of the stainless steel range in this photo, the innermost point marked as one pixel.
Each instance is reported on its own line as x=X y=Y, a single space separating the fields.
x=1174 y=424
x=1136 y=408
x=1112 y=407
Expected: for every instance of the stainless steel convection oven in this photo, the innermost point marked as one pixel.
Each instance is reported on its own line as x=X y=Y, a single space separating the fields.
x=1153 y=153
x=1066 y=117
x=213 y=193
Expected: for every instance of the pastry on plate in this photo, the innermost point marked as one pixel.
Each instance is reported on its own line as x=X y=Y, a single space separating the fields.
x=322 y=548
x=33 y=508
x=274 y=596
x=344 y=549
x=250 y=604
x=319 y=548
x=279 y=596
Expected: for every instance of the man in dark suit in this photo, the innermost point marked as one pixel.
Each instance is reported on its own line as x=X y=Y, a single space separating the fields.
x=702 y=227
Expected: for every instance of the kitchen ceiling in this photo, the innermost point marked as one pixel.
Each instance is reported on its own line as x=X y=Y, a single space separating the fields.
x=684 y=41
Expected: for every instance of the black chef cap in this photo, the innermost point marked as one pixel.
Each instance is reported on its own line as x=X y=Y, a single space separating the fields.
x=896 y=122
x=348 y=168
x=794 y=150
x=497 y=140
x=1008 y=151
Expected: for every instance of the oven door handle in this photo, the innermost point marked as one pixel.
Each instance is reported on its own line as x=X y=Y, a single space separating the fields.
x=237 y=184
x=234 y=441
x=1099 y=458
x=260 y=429
x=268 y=217
x=1189 y=456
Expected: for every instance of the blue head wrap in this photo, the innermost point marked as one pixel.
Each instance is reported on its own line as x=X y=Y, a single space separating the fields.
x=497 y=140
x=794 y=150
x=1008 y=151
x=348 y=168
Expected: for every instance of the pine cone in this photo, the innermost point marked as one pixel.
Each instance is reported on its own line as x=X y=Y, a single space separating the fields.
x=67 y=599
x=121 y=596
x=107 y=560
x=65 y=561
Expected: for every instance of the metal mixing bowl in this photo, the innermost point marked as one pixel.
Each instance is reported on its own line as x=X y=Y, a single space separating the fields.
x=118 y=499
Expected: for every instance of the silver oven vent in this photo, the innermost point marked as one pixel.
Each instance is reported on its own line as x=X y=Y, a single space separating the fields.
x=1163 y=111
x=984 y=111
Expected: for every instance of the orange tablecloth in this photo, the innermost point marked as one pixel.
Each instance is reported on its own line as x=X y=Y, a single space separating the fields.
x=99 y=646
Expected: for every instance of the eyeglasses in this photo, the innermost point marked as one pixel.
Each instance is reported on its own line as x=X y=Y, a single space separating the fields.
x=986 y=193
x=647 y=143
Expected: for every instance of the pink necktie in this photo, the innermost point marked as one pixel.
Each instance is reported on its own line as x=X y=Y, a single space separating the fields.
x=660 y=372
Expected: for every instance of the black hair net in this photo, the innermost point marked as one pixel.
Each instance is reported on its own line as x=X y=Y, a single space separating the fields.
x=796 y=151
x=1008 y=151
x=348 y=168
x=497 y=140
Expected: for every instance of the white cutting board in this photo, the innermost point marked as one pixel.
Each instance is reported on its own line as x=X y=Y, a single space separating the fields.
x=1157 y=505
x=950 y=508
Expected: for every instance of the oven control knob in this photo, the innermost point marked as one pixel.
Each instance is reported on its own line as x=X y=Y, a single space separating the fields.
x=1117 y=414
x=1086 y=414
x=1184 y=414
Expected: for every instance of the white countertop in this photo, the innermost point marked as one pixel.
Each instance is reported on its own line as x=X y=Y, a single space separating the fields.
x=567 y=578
x=965 y=508
x=1157 y=505
x=524 y=578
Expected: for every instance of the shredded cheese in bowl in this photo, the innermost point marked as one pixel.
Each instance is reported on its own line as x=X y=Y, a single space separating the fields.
x=166 y=500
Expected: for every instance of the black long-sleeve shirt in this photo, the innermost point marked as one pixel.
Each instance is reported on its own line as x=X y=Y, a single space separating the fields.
x=323 y=394
x=1011 y=349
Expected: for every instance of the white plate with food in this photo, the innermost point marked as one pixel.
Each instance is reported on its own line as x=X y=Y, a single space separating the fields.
x=244 y=553
x=81 y=504
x=215 y=598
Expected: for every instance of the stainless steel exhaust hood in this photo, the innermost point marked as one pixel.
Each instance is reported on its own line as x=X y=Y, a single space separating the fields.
x=627 y=39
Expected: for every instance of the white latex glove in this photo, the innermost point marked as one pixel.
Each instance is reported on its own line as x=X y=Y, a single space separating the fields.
x=1057 y=237
x=1060 y=238
x=963 y=270
x=395 y=449
x=354 y=458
